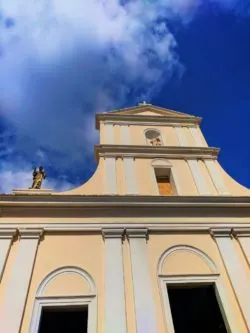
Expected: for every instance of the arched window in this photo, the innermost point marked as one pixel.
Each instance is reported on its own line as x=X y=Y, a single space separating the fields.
x=65 y=297
x=191 y=287
x=153 y=137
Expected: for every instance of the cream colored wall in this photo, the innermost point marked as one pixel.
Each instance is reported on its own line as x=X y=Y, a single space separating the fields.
x=86 y=252
x=55 y=251
x=95 y=185
x=185 y=178
x=157 y=244
x=168 y=133
x=145 y=177
x=144 y=173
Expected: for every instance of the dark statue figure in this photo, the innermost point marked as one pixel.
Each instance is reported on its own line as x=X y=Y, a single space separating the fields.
x=38 y=177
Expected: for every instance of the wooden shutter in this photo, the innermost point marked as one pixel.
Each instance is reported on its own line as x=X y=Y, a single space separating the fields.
x=164 y=186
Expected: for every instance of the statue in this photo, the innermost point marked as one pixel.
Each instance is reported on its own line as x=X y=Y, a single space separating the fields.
x=38 y=177
x=156 y=142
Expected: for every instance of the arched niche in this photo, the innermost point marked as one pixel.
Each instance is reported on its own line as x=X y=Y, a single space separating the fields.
x=185 y=260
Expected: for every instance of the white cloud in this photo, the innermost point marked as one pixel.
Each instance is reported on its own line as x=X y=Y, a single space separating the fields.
x=62 y=61
x=19 y=176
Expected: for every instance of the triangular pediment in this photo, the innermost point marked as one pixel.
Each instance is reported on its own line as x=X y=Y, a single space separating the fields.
x=149 y=110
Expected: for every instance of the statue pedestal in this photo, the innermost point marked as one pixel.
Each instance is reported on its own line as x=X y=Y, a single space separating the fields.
x=28 y=191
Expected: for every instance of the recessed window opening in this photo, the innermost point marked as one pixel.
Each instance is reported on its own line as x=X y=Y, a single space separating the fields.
x=64 y=319
x=153 y=137
x=164 y=181
x=195 y=309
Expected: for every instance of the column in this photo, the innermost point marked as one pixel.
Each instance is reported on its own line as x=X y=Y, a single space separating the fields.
x=216 y=177
x=181 y=136
x=235 y=269
x=130 y=176
x=200 y=182
x=18 y=284
x=110 y=175
x=243 y=237
x=145 y=311
x=6 y=237
x=115 y=311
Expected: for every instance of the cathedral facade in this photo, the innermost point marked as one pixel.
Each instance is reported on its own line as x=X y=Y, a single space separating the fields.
x=157 y=241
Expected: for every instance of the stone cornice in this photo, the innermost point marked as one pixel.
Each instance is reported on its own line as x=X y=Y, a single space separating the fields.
x=156 y=152
x=123 y=206
x=66 y=200
x=143 y=119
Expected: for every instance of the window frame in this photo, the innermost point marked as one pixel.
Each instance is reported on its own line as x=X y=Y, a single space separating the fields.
x=68 y=301
x=89 y=299
x=220 y=292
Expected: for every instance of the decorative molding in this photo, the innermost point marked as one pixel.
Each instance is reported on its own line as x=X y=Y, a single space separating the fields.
x=146 y=151
x=190 y=249
x=241 y=232
x=137 y=233
x=6 y=233
x=148 y=123
x=221 y=295
x=138 y=228
x=144 y=119
x=30 y=233
x=65 y=270
x=113 y=233
x=161 y=163
x=221 y=232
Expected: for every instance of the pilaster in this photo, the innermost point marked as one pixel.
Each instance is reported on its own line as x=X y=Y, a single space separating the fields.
x=216 y=177
x=110 y=175
x=145 y=311
x=6 y=237
x=130 y=175
x=13 y=303
x=243 y=237
x=115 y=312
x=235 y=269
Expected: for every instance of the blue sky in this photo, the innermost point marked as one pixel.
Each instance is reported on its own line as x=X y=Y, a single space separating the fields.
x=60 y=62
